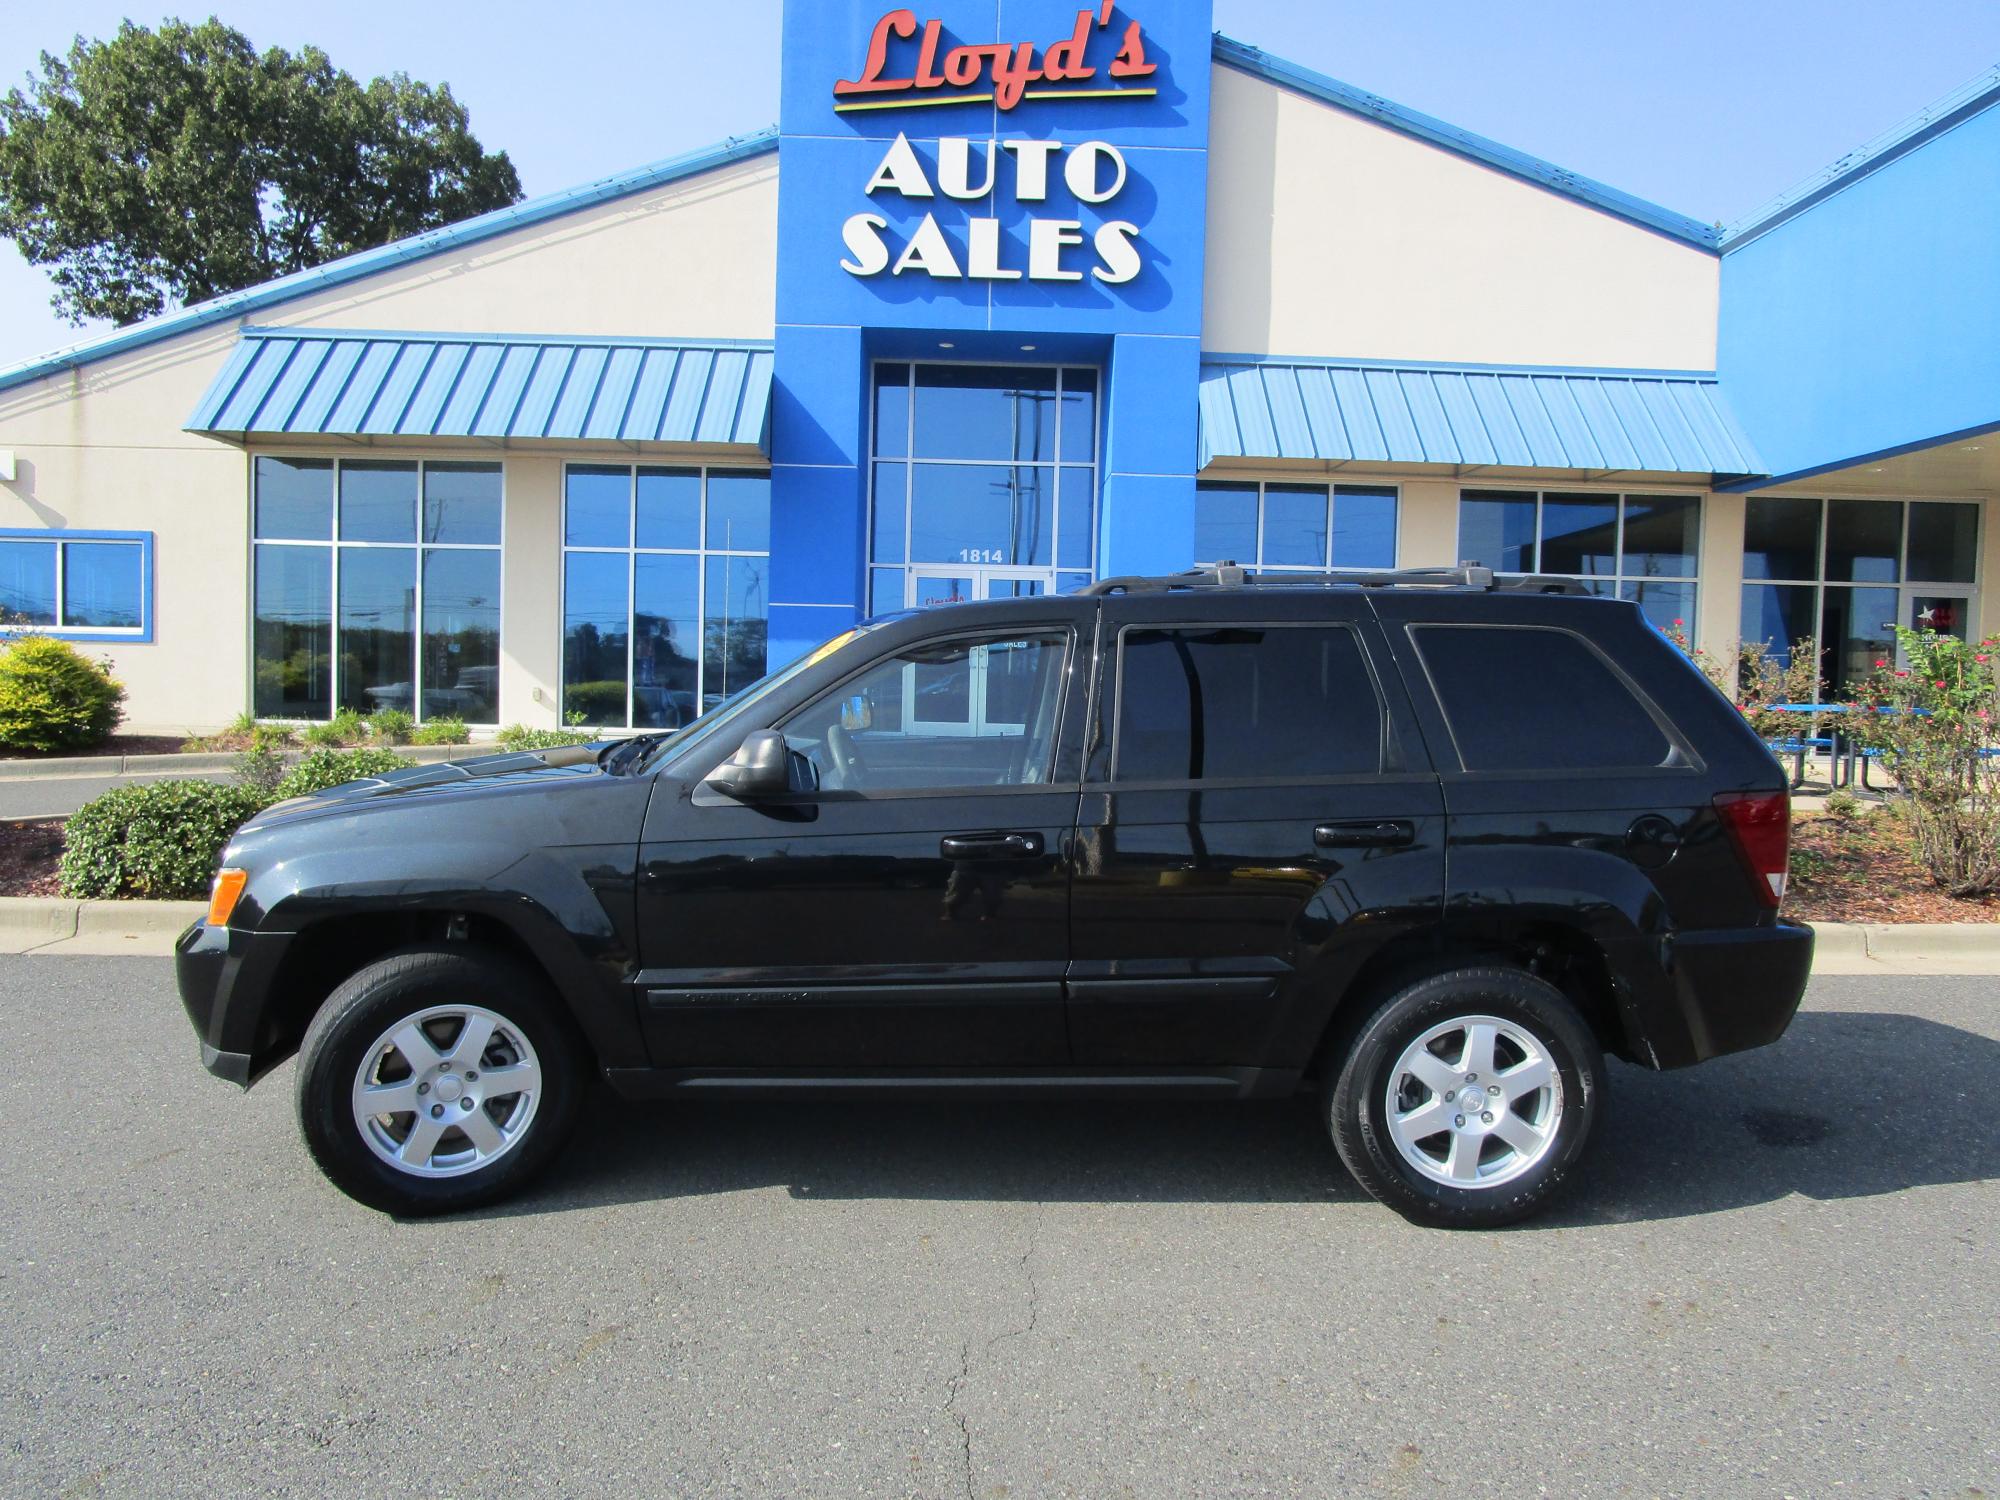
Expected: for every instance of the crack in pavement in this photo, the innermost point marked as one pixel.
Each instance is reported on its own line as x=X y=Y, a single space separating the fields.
x=956 y=1384
x=958 y=1381
x=1034 y=1291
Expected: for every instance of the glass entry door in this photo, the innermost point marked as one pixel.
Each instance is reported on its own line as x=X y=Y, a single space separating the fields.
x=930 y=587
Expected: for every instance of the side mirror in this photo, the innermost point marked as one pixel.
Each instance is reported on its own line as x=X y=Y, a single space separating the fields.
x=761 y=767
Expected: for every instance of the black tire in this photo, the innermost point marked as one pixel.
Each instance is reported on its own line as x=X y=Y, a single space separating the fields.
x=1356 y=1106
x=373 y=1001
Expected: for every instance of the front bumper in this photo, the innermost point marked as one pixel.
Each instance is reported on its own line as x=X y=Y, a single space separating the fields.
x=1737 y=988
x=224 y=977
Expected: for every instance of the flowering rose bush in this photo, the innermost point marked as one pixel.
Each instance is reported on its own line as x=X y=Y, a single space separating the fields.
x=1935 y=727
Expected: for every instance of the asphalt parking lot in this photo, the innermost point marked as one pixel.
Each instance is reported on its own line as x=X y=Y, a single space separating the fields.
x=1780 y=1275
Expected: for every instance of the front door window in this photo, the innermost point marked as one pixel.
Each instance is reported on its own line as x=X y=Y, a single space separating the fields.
x=956 y=714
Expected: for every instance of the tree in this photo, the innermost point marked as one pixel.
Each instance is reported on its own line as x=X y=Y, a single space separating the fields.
x=174 y=165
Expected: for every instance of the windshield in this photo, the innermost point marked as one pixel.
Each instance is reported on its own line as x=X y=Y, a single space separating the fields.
x=738 y=702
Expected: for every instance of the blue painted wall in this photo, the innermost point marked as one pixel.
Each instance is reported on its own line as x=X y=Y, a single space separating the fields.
x=1871 y=320
x=1144 y=333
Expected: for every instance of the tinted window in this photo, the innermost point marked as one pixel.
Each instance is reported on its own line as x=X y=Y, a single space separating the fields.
x=1536 y=700
x=1246 y=701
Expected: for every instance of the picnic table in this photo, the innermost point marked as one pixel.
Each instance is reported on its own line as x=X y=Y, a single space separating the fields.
x=1847 y=757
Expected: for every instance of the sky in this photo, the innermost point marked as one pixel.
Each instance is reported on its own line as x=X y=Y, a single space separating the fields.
x=1706 y=107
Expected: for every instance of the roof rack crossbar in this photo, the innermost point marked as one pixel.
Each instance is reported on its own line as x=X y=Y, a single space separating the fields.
x=1230 y=575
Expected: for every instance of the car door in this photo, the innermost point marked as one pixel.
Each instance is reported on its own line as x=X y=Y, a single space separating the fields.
x=1258 y=818
x=908 y=908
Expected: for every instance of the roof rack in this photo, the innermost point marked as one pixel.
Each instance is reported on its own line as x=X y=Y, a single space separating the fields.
x=1230 y=575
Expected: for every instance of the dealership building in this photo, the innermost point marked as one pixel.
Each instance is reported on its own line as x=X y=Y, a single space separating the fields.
x=1017 y=295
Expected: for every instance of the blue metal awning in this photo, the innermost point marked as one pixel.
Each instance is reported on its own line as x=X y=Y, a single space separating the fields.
x=1380 y=412
x=337 y=382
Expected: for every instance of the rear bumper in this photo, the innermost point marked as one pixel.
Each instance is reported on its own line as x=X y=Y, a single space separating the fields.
x=224 y=979
x=1736 y=988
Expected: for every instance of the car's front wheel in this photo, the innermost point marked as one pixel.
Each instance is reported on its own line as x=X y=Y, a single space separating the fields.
x=1466 y=1100
x=436 y=1080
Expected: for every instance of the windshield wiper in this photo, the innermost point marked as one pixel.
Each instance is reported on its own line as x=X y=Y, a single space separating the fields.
x=638 y=744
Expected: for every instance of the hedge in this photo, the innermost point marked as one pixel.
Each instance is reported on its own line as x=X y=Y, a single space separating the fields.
x=162 y=841
x=159 y=841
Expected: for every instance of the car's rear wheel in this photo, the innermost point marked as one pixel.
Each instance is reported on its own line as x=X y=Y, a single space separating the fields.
x=1467 y=1098
x=436 y=1080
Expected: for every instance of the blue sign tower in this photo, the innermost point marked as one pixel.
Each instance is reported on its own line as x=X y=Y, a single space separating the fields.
x=1018 y=183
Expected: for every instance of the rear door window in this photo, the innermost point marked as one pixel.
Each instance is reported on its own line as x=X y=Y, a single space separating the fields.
x=1245 y=702
x=1527 y=698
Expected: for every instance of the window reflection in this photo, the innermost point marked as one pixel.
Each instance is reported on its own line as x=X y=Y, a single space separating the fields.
x=595 y=622
x=735 y=636
x=27 y=583
x=462 y=504
x=461 y=648
x=378 y=622
x=1304 y=527
x=292 y=610
x=658 y=623
x=360 y=616
x=983 y=513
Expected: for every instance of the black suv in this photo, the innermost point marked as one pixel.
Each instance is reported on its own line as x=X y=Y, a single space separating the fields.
x=1428 y=843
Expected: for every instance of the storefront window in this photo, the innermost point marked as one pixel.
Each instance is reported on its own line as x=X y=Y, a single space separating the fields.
x=1637 y=547
x=376 y=586
x=1311 y=528
x=990 y=470
x=1838 y=576
x=665 y=591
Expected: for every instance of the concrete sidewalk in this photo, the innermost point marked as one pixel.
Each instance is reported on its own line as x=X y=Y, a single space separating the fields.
x=51 y=925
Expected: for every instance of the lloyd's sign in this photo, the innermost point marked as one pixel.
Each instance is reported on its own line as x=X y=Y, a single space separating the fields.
x=909 y=66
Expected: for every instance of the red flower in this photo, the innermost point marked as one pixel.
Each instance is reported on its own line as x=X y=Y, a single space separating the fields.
x=1939 y=684
x=1902 y=674
x=1680 y=622
x=1881 y=664
x=1982 y=658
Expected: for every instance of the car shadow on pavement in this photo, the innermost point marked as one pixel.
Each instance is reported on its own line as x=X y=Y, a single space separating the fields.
x=1846 y=1105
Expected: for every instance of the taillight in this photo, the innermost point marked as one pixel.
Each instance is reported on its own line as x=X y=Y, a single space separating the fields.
x=1760 y=825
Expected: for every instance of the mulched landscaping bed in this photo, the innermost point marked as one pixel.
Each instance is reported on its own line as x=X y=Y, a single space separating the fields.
x=1861 y=869
x=118 y=744
x=28 y=855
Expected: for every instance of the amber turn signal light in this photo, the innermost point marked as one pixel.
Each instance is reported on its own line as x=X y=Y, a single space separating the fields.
x=222 y=897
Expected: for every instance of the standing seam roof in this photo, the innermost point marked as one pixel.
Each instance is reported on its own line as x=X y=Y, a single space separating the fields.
x=1341 y=411
x=416 y=385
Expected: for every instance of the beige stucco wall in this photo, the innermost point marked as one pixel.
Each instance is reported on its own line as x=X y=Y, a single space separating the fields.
x=1331 y=235
x=102 y=448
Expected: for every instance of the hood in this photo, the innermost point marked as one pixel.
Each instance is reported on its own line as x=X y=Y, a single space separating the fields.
x=516 y=769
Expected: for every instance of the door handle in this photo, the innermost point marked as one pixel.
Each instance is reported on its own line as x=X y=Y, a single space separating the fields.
x=1380 y=834
x=990 y=845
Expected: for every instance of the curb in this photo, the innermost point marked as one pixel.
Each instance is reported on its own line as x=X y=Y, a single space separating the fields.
x=43 y=924
x=1906 y=948
x=98 y=767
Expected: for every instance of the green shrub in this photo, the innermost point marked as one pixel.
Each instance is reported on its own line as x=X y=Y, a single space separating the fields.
x=1935 y=725
x=52 y=697
x=594 y=703
x=520 y=737
x=158 y=841
x=391 y=726
x=447 y=729
x=344 y=730
x=321 y=769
